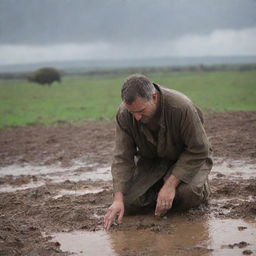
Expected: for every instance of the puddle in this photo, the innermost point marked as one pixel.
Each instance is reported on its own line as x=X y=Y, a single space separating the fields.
x=234 y=168
x=102 y=173
x=53 y=174
x=10 y=189
x=80 y=171
x=228 y=234
x=80 y=192
x=16 y=170
x=86 y=243
x=233 y=199
x=214 y=237
x=43 y=170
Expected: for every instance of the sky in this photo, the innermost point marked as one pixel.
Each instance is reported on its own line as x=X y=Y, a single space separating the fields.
x=57 y=30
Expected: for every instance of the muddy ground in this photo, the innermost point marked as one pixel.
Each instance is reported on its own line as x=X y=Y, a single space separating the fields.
x=28 y=216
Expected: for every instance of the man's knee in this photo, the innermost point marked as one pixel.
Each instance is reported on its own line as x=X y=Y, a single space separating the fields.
x=140 y=204
x=186 y=198
x=144 y=202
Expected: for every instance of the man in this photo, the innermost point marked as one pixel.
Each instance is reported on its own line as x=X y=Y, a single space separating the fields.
x=162 y=155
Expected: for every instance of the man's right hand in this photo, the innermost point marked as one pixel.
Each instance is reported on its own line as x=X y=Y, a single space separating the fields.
x=116 y=209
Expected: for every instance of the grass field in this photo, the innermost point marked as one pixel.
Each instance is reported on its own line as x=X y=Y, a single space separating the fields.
x=81 y=98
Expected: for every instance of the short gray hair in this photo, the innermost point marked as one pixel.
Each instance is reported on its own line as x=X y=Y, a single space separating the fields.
x=137 y=86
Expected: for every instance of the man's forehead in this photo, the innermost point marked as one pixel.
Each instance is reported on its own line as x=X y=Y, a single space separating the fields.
x=136 y=106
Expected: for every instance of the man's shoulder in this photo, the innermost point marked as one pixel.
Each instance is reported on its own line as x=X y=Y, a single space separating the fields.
x=178 y=103
x=174 y=99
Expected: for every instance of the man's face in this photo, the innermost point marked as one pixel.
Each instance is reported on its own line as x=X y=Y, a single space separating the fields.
x=143 y=110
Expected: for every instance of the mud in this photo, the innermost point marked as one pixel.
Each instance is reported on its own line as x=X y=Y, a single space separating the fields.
x=57 y=179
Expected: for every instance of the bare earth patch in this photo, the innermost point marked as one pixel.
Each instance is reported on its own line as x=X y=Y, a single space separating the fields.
x=28 y=216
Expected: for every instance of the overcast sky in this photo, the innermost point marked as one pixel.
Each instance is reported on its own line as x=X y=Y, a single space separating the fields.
x=45 y=30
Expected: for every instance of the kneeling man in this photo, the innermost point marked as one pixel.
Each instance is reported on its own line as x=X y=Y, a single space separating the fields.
x=162 y=156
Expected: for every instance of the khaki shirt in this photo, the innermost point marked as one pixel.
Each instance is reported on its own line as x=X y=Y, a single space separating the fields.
x=180 y=139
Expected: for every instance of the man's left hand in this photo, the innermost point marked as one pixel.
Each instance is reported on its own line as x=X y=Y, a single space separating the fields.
x=165 y=199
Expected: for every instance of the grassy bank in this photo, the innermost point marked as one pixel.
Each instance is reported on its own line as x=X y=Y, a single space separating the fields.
x=80 y=98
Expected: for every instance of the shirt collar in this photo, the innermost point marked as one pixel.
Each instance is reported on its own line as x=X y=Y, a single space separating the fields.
x=162 y=103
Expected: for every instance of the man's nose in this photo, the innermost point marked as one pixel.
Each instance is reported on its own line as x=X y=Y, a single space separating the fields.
x=137 y=116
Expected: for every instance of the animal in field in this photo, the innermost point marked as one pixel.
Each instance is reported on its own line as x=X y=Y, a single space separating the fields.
x=45 y=76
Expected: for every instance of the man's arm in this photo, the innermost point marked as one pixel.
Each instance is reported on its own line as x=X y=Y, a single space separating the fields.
x=195 y=153
x=122 y=172
x=197 y=148
x=166 y=195
x=123 y=165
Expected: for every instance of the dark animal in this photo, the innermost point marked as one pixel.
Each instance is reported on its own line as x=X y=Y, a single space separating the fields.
x=44 y=76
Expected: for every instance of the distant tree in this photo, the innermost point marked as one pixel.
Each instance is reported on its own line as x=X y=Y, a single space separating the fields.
x=46 y=75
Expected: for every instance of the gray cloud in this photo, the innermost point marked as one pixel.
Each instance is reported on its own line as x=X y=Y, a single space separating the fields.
x=218 y=43
x=118 y=21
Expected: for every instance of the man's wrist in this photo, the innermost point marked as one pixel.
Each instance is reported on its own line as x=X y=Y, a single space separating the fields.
x=172 y=182
x=119 y=197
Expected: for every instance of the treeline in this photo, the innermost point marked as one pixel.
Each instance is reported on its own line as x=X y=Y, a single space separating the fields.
x=152 y=70
x=143 y=70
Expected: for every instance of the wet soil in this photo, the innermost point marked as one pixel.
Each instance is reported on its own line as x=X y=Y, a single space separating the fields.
x=29 y=216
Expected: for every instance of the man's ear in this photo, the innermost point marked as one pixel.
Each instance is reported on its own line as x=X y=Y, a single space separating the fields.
x=154 y=97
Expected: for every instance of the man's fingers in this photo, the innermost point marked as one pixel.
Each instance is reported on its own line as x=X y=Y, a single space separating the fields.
x=162 y=207
x=107 y=214
x=120 y=216
x=109 y=220
x=162 y=204
x=160 y=212
x=158 y=208
x=109 y=224
x=106 y=218
x=170 y=204
x=110 y=216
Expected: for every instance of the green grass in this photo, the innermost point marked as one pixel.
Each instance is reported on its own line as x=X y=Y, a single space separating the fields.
x=81 y=98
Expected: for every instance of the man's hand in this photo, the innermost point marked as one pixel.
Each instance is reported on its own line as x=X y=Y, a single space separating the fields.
x=116 y=209
x=166 y=196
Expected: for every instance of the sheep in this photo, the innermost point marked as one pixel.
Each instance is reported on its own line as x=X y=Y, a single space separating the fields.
x=46 y=75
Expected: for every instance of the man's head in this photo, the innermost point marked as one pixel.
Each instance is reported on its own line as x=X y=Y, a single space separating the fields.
x=140 y=97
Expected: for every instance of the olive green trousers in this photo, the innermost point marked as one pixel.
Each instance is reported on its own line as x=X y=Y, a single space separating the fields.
x=149 y=179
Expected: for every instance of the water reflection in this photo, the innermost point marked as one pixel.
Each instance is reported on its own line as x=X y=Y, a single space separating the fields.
x=212 y=237
x=86 y=243
x=179 y=237
x=225 y=236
